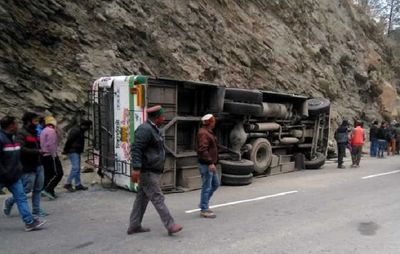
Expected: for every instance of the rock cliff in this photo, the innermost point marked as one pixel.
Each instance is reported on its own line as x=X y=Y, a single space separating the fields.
x=51 y=50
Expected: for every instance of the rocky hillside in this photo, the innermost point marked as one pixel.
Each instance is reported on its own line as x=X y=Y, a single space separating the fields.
x=51 y=50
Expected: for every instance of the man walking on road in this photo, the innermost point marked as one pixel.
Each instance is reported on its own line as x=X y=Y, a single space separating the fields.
x=33 y=172
x=148 y=157
x=357 y=142
x=342 y=139
x=11 y=172
x=207 y=150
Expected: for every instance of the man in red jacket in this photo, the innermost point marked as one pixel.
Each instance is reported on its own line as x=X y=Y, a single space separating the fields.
x=207 y=151
x=357 y=142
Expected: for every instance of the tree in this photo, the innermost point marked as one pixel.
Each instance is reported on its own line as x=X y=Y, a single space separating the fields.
x=393 y=15
x=383 y=11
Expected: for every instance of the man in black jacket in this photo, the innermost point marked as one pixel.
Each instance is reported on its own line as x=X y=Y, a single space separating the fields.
x=74 y=147
x=11 y=172
x=148 y=156
x=373 y=139
x=342 y=138
x=33 y=172
x=381 y=136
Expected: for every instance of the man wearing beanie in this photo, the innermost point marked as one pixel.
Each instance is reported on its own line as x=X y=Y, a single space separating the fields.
x=148 y=157
x=53 y=171
x=207 y=150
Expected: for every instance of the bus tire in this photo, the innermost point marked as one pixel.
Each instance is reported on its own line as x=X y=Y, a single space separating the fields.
x=317 y=106
x=244 y=95
x=315 y=163
x=240 y=108
x=242 y=167
x=236 y=180
x=260 y=154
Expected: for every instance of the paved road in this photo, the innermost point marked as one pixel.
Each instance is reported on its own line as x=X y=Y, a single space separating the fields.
x=324 y=211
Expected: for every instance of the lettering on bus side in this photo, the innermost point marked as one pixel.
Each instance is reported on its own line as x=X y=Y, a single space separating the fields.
x=118 y=99
x=117 y=133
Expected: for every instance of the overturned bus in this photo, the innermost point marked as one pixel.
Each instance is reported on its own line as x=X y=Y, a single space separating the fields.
x=263 y=132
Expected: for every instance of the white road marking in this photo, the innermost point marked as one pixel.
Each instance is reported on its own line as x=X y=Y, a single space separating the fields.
x=246 y=200
x=383 y=174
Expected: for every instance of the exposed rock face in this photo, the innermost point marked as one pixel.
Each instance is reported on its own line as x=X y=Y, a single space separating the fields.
x=51 y=50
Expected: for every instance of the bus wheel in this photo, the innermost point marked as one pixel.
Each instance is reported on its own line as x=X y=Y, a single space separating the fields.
x=316 y=162
x=242 y=167
x=244 y=95
x=261 y=154
x=236 y=180
x=318 y=105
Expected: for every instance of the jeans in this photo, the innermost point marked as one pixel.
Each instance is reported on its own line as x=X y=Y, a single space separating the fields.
x=209 y=186
x=381 y=147
x=32 y=182
x=341 y=147
x=17 y=190
x=373 y=151
x=75 y=173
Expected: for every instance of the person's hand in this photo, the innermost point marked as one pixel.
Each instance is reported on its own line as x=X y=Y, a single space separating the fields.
x=212 y=168
x=135 y=175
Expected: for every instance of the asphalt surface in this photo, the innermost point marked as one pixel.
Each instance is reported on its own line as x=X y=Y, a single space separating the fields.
x=323 y=211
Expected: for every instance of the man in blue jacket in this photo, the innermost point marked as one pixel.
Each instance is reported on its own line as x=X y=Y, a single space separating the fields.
x=11 y=172
x=148 y=157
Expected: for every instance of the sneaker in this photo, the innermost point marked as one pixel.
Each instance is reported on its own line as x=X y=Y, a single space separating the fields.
x=140 y=229
x=175 y=228
x=40 y=213
x=81 y=187
x=35 y=225
x=48 y=195
x=69 y=188
x=341 y=166
x=7 y=208
x=207 y=214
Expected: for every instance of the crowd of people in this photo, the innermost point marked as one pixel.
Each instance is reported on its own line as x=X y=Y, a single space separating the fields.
x=29 y=163
x=383 y=137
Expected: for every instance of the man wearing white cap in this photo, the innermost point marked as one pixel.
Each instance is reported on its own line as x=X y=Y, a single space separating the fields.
x=148 y=157
x=207 y=151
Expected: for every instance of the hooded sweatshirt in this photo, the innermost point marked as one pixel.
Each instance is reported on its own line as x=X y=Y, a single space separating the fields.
x=49 y=141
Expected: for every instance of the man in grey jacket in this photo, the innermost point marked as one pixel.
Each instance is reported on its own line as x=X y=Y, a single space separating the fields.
x=148 y=156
